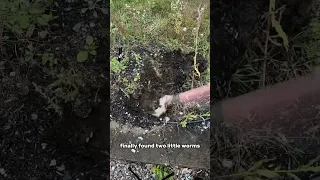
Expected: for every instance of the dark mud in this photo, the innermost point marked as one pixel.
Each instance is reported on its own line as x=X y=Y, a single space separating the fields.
x=162 y=73
x=33 y=135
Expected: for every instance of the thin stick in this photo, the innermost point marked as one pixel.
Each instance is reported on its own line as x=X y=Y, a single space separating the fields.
x=264 y=65
x=135 y=175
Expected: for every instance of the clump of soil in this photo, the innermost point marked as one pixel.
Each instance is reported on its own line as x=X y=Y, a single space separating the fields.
x=162 y=73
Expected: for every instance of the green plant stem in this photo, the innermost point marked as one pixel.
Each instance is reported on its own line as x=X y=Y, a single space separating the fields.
x=196 y=47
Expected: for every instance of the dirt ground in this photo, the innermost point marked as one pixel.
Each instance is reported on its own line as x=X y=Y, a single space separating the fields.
x=162 y=73
x=36 y=142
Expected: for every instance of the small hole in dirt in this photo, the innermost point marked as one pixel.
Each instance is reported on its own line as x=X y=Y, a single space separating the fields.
x=166 y=73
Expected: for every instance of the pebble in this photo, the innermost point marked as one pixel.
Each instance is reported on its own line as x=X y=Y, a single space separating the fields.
x=92 y=24
x=44 y=145
x=119 y=170
x=3 y=172
x=12 y=74
x=77 y=27
x=34 y=116
x=53 y=162
x=227 y=163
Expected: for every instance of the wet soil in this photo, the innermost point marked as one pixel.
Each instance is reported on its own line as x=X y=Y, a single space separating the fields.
x=36 y=142
x=162 y=72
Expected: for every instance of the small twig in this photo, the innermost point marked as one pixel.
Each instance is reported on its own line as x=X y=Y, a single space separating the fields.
x=135 y=175
x=95 y=97
x=168 y=176
x=200 y=11
x=274 y=42
x=264 y=65
x=1 y=31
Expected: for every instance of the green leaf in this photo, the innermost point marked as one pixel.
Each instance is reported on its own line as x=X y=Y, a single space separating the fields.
x=30 y=47
x=314 y=169
x=93 y=46
x=251 y=178
x=137 y=78
x=257 y=165
x=82 y=56
x=184 y=123
x=30 y=30
x=41 y=21
x=277 y=25
x=312 y=161
x=89 y=40
x=24 y=22
x=293 y=176
x=93 y=52
x=44 y=61
x=47 y=17
x=267 y=173
x=35 y=10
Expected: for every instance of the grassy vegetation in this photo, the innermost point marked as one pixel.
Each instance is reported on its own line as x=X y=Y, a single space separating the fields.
x=262 y=154
x=160 y=172
x=171 y=23
x=159 y=24
x=22 y=17
x=25 y=27
x=272 y=56
x=178 y=24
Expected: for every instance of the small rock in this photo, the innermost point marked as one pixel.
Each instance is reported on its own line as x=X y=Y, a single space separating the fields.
x=44 y=145
x=67 y=9
x=167 y=119
x=92 y=24
x=227 y=163
x=185 y=171
x=104 y=10
x=87 y=139
x=141 y=138
x=12 y=74
x=42 y=34
x=8 y=126
x=34 y=116
x=95 y=14
x=91 y=134
x=3 y=172
x=53 y=162
x=77 y=27
x=67 y=176
x=84 y=10
x=133 y=150
x=61 y=168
